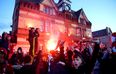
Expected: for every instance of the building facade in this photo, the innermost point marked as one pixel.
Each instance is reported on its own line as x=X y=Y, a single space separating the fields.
x=53 y=20
x=104 y=35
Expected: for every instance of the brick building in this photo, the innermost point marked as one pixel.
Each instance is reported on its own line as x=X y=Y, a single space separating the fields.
x=53 y=19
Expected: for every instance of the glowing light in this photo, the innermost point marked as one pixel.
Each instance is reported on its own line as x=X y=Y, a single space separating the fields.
x=83 y=38
x=47 y=33
x=29 y=25
x=51 y=44
x=69 y=34
x=25 y=52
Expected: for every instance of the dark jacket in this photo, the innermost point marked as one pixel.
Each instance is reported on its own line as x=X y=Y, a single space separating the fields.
x=27 y=69
x=58 y=69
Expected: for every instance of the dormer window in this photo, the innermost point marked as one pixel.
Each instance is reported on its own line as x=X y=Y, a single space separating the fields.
x=48 y=10
x=52 y=11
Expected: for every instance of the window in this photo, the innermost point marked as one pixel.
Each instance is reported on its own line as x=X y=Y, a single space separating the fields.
x=46 y=10
x=47 y=28
x=72 y=31
x=82 y=21
x=41 y=26
x=24 y=4
x=28 y=5
x=52 y=11
x=61 y=28
x=88 y=33
x=84 y=32
x=78 y=31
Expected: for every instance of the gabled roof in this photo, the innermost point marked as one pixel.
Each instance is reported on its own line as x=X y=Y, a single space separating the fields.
x=81 y=12
x=77 y=13
x=102 y=32
x=99 y=33
x=73 y=13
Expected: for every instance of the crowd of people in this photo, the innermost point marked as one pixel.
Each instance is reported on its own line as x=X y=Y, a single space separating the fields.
x=96 y=59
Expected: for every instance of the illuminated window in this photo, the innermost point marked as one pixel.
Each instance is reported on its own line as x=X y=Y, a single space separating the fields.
x=88 y=33
x=41 y=26
x=61 y=28
x=78 y=31
x=47 y=26
x=51 y=27
x=60 y=9
x=84 y=32
x=72 y=31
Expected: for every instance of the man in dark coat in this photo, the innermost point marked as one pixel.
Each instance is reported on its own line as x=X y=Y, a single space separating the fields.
x=36 y=33
x=31 y=41
x=27 y=68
